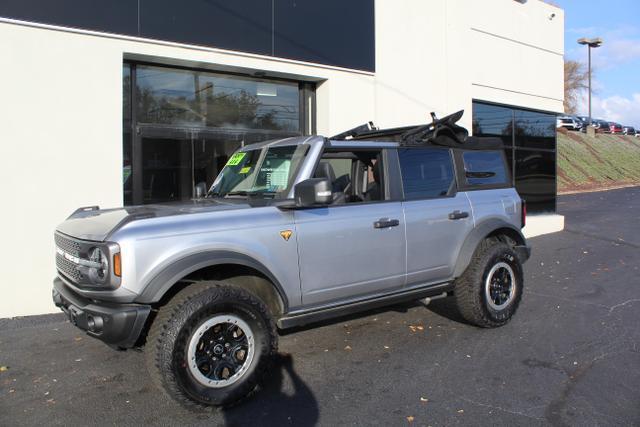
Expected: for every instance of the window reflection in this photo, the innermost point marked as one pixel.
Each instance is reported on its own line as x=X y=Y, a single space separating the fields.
x=126 y=135
x=530 y=137
x=195 y=98
x=491 y=120
x=535 y=130
x=536 y=179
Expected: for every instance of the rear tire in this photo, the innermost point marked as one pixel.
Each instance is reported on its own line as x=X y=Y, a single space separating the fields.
x=489 y=291
x=211 y=345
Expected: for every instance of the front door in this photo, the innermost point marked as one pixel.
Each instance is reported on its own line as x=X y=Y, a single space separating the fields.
x=356 y=246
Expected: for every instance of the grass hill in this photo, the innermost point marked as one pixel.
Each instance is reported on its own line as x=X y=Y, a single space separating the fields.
x=591 y=163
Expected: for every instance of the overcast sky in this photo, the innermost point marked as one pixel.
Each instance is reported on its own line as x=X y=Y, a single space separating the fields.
x=617 y=62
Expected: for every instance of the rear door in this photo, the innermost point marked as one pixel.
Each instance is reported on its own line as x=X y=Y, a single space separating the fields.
x=485 y=176
x=437 y=217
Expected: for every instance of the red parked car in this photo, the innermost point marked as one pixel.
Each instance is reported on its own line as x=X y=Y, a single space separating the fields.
x=615 y=127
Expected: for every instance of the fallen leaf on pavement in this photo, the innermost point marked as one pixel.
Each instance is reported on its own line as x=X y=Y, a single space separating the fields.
x=348 y=348
x=410 y=418
x=4 y=368
x=424 y=399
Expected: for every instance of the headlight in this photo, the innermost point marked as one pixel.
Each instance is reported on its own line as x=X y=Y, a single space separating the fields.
x=99 y=268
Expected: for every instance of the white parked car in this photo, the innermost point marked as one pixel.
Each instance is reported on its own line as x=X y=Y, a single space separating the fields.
x=568 y=122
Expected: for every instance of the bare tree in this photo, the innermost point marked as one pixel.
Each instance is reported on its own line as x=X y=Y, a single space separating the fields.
x=576 y=80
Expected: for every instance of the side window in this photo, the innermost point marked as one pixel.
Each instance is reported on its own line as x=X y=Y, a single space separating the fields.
x=356 y=176
x=426 y=172
x=484 y=168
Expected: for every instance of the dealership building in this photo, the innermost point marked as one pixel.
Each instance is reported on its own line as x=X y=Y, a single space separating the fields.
x=124 y=102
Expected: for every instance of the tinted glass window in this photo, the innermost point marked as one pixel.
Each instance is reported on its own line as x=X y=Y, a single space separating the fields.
x=532 y=135
x=484 y=167
x=535 y=130
x=195 y=98
x=495 y=121
x=426 y=172
x=536 y=179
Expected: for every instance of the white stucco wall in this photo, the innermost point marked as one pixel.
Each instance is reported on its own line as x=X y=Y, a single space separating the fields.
x=61 y=133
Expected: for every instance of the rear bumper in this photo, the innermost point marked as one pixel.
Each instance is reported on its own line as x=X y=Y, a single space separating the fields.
x=523 y=251
x=118 y=325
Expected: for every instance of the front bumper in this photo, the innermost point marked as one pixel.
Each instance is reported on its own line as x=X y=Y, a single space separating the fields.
x=118 y=325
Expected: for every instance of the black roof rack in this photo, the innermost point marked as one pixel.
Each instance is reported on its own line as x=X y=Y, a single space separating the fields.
x=441 y=132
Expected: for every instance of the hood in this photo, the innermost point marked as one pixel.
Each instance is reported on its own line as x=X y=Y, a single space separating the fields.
x=98 y=224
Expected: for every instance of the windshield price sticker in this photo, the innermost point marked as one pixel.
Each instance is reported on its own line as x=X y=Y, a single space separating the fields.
x=236 y=159
x=245 y=170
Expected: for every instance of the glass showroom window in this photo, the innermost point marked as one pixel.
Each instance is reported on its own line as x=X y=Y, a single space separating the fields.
x=529 y=138
x=184 y=124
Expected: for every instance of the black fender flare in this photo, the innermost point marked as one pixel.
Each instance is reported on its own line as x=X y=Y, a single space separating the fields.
x=478 y=234
x=171 y=274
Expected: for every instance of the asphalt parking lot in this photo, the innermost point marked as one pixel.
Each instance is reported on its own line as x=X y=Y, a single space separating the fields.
x=571 y=356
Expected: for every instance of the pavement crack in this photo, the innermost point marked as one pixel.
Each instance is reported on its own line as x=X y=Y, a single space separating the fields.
x=486 y=405
x=622 y=304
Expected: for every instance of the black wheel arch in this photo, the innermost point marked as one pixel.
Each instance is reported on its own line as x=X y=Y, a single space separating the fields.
x=182 y=269
x=493 y=227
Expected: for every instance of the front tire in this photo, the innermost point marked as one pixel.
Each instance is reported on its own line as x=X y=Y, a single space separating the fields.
x=211 y=345
x=489 y=291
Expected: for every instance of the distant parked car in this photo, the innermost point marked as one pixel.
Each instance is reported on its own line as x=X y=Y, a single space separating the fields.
x=584 y=120
x=637 y=132
x=628 y=130
x=568 y=122
x=601 y=126
x=615 y=127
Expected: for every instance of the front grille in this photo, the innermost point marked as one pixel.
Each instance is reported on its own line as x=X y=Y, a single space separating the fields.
x=68 y=268
x=69 y=246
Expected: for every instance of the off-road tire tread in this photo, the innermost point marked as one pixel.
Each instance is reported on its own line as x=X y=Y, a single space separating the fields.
x=466 y=293
x=163 y=333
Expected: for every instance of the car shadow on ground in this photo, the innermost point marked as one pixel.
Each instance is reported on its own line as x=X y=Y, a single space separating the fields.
x=446 y=307
x=272 y=406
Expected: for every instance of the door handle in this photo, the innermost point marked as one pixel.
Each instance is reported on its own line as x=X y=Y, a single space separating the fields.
x=386 y=223
x=458 y=215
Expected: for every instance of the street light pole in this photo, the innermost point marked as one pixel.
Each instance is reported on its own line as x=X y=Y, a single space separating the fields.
x=591 y=44
x=589 y=72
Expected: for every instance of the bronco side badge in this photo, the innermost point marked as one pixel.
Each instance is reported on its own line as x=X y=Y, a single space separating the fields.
x=286 y=234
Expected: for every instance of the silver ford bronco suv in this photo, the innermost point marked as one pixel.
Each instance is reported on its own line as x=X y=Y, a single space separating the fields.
x=291 y=232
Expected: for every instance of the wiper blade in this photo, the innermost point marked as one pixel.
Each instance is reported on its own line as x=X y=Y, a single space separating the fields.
x=237 y=193
x=249 y=193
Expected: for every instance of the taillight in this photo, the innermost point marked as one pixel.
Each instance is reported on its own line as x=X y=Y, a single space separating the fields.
x=523 y=214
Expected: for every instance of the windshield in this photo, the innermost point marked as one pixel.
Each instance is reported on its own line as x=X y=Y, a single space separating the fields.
x=267 y=172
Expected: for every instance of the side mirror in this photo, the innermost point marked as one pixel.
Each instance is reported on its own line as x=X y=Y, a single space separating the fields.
x=313 y=192
x=200 y=190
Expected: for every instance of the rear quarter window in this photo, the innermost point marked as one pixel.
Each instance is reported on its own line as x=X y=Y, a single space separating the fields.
x=484 y=168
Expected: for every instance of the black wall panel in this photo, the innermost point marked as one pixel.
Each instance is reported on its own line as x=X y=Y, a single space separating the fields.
x=332 y=32
x=243 y=25
x=335 y=32
x=112 y=16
